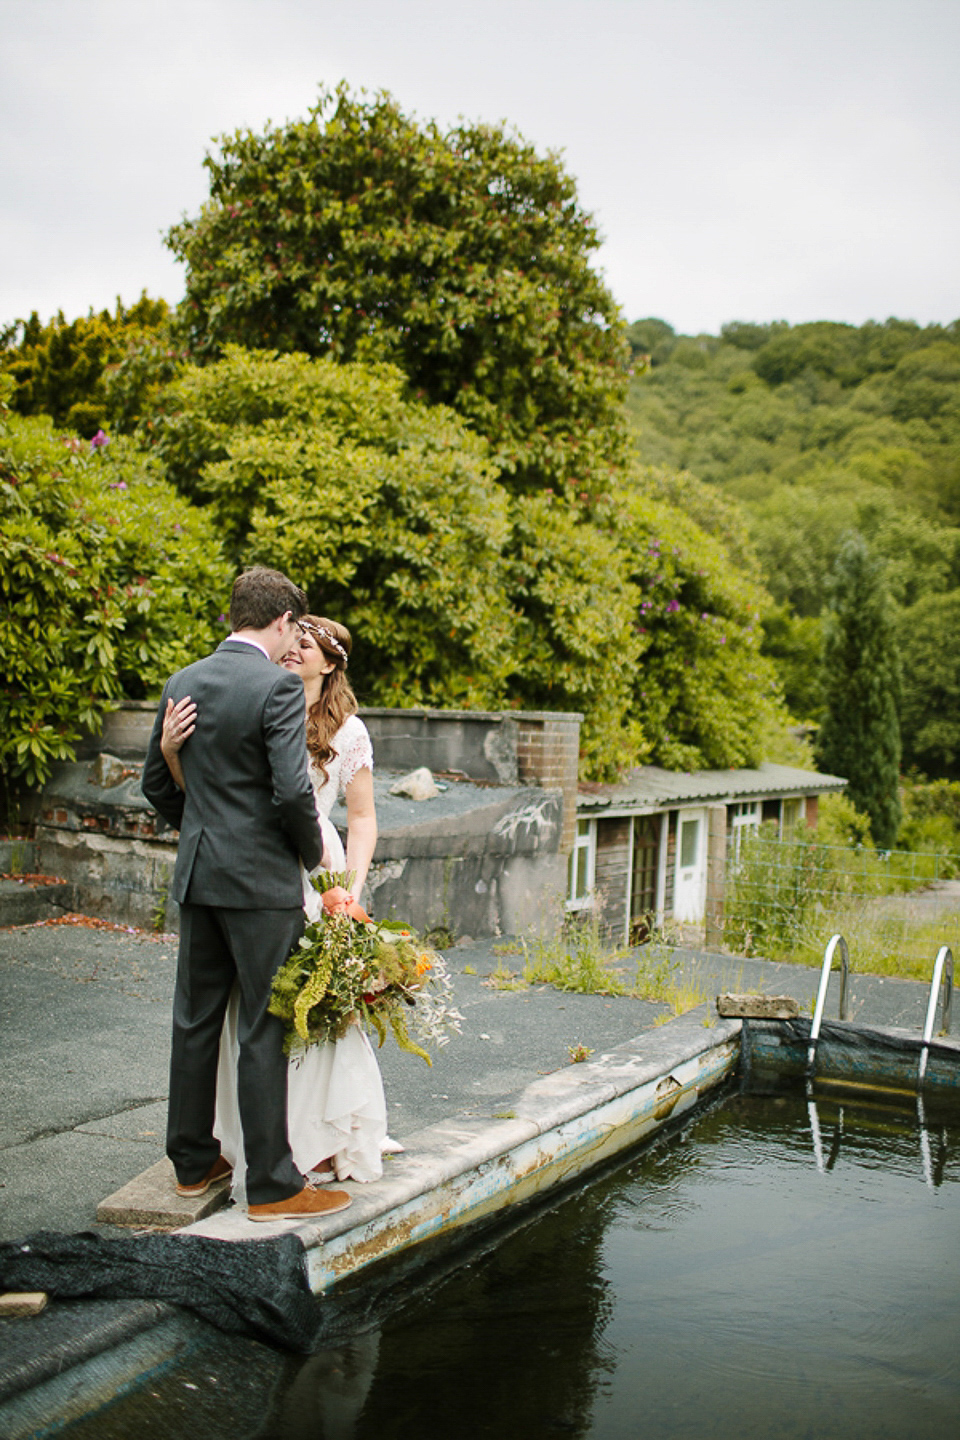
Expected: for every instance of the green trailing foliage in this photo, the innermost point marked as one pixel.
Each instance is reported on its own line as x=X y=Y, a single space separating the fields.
x=109 y=581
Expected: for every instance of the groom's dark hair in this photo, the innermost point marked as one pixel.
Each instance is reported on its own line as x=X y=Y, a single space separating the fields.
x=260 y=595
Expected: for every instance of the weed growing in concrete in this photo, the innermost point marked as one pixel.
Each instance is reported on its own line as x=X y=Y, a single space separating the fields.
x=500 y=978
x=158 y=914
x=576 y=959
x=575 y=955
x=686 y=996
x=657 y=979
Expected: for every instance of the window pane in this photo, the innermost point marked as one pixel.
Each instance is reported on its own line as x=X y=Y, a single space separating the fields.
x=583 y=872
x=689 y=836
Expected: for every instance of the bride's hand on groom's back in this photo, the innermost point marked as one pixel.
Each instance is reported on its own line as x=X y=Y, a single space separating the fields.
x=179 y=723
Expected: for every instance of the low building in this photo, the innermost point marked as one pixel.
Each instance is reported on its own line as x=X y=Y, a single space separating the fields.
x=655 y=846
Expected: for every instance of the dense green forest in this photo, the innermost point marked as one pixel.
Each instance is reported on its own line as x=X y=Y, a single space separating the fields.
x=396 y=373
x=818 y=432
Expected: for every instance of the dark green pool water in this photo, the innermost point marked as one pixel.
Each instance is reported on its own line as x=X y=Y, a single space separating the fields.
x=721 y=1284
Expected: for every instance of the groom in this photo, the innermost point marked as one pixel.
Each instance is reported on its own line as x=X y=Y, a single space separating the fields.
x=246 y=814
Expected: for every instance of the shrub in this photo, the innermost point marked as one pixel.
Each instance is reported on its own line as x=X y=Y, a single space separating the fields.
x=931 y=822
x=60 y=369
x=108 y=580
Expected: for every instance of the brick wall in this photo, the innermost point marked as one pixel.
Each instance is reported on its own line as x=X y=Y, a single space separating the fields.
x=548 y=754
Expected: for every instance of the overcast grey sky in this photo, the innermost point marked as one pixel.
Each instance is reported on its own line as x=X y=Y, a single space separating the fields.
x=745 y=159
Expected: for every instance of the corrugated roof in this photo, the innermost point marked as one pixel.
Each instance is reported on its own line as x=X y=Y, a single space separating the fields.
x=650 y=788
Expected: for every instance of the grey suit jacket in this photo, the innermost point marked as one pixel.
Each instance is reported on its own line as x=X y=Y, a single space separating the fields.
x=249 y=809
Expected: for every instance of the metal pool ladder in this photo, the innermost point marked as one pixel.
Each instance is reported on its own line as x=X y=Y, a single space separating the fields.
x=836 y=942
x=941 y=985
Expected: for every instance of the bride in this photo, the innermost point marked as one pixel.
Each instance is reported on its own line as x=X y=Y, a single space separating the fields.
x=336 y=1111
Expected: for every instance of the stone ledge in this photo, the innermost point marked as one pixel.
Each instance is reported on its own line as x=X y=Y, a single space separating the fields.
x=757 y=1007
x=151 y=1199
x=23 y=903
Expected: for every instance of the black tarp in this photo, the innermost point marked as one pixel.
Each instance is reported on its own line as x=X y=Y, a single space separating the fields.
x=248 y=1287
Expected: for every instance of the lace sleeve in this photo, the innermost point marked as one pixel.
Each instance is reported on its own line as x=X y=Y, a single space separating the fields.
x=357 y=752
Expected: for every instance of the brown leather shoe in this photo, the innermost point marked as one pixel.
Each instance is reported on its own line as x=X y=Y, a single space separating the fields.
x=219 y=1170
x=307 y=1204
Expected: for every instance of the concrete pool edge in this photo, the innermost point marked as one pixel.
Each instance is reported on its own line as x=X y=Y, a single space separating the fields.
x=452 y=1175
x=462 y=1171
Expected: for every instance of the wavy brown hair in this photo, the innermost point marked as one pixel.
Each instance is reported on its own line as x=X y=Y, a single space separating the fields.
x=337 y=701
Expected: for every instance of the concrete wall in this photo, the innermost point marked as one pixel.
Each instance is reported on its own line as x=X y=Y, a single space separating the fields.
x=502 y=747
x=486 y=859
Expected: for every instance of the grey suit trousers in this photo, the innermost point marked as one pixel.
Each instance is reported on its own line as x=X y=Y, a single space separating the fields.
x=219 y=946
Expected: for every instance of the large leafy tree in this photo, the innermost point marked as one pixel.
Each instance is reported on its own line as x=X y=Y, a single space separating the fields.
x=387 y=511
x=390 y=512
x=702 y=693
x=860 y=734
x=463 y=257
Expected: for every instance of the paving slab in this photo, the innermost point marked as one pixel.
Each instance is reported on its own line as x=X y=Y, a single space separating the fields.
x=151 y=1199
x=50 y=1183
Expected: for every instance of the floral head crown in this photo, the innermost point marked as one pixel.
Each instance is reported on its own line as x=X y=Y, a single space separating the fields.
x=322 y=633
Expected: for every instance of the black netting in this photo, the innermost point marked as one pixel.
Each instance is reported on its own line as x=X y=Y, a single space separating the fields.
x=253 y=1287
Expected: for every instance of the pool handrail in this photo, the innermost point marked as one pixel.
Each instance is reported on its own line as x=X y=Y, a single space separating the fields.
x=833 y=944
x=941 y=984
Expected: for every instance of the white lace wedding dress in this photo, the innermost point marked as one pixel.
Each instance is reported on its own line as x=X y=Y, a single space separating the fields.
x=335 y=1103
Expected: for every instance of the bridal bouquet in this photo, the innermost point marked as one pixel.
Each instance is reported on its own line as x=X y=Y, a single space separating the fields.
x=378 y=974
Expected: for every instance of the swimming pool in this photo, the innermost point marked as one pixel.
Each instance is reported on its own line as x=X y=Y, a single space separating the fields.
x=739 y=1278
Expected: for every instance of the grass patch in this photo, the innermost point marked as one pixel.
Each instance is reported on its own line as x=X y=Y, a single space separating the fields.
x=879 y=944
x=787 y=898
x=500 y=978
x=579 y=959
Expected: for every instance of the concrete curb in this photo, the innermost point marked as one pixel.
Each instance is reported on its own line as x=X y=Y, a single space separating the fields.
x=78 y=1377
x=458 y=1172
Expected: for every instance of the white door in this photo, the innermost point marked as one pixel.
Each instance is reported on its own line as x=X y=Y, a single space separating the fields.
x=690 y=877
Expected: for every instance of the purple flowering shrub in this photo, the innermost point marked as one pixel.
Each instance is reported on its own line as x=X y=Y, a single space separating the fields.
x=108 y=580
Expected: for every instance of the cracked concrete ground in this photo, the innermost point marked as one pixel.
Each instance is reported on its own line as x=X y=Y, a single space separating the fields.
x=84 y=1044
